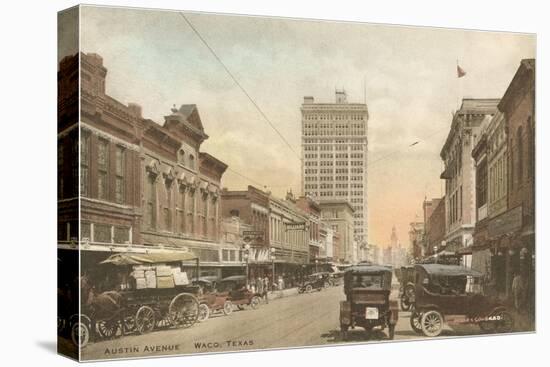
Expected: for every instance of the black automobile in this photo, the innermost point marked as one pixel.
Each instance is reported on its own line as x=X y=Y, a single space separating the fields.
x=315 y=281
x=368 y=304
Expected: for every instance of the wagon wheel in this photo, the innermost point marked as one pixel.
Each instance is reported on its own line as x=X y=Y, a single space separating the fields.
x=183 y=310
x=432 y=323
x=145 y=320
x=415 y=322
x=404 y=304
x=255 y=302
x=80 y=334
x=108 y=328
x=227 y=308
x=309 y=288
x=204 y=312
x=504 y=321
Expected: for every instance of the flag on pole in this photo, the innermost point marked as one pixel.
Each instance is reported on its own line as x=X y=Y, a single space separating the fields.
x=459 y=71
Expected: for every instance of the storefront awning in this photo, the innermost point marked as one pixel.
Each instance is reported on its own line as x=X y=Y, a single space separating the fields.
x=144 y=259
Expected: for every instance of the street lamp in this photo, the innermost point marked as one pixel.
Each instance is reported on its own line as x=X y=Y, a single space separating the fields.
x=435 y=254
x=316 y=265
x=245 y=256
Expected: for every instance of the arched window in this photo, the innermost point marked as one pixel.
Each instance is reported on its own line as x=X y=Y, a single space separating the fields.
x=181 y=156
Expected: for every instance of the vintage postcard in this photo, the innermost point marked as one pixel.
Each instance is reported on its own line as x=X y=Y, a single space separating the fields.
x=236 y=183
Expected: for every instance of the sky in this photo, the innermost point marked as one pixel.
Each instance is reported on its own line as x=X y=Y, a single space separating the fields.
x=406 y=75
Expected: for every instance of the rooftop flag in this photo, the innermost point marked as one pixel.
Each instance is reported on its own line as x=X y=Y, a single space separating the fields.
x=459 y=71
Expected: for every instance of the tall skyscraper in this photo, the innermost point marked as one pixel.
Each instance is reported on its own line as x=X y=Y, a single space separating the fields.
x=334 y=155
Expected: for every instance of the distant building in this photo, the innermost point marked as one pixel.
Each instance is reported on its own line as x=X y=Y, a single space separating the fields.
x=338 y=214
x=334 y=155
x=435 y=227
x=416 y=239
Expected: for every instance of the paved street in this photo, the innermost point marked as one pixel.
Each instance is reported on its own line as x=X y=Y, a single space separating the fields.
x=306 y=319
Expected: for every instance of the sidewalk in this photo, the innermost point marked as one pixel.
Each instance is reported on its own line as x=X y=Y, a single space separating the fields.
x=283 y=293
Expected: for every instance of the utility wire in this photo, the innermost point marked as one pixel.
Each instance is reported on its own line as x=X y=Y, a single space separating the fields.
x=239 y=85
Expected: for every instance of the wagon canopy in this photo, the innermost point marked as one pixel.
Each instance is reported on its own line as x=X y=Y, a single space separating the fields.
x=145 y=259
x=449 y=270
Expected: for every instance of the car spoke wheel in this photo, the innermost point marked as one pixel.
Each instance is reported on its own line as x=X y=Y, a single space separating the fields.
x=432 y=323
x=227 y=308
x=80 y=334
x=309 y=288
x=415 y=322
x=145 y=320
x=204 y=312
x=255 y=302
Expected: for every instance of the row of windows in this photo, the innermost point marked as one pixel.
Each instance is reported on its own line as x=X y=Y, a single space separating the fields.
x=333 y=132
x=337 y=117
x=335 y=141
x=103 y=170
x=454 y=211
x=497 y=179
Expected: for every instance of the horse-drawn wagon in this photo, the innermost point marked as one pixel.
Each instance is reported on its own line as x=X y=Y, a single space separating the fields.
x=158 y=295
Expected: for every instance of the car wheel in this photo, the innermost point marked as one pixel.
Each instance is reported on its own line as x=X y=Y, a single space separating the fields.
x=204 y=312
x=415 y=322
x=255 y=302
x=309 y=288
x=227 y=308
x=504 y=321
x=432 y=323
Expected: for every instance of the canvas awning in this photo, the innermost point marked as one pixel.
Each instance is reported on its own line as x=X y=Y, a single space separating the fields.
x=143 y=259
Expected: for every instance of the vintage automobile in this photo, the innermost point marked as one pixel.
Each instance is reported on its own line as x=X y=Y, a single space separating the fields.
x=316 y=281
x=210 y=300
x=405 y=276
x=453 y=294
x=368 y=305
x=234 y=287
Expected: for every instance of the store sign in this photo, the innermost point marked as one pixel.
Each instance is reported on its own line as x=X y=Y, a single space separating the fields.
x=505 y=223
x=295 y=226
x=253 y=236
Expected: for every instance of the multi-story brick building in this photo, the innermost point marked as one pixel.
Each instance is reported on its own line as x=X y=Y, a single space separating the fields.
x=435 y=227
x=144 y=186
x=273 y=238
x=518 y=222
x=459 y=175
x=334 y=155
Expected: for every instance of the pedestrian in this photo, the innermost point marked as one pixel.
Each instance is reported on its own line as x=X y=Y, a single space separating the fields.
x=518 y=291
x=280 y=283
x=260 y=286
x=266 y=286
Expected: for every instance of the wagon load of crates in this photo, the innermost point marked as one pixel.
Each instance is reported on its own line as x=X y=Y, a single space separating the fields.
x=159 y=276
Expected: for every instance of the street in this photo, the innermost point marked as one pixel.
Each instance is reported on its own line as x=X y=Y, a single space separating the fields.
x=297 y=320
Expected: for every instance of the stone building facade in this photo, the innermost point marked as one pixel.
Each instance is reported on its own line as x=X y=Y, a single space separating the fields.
x=459 y=174
x=338 y=214
x=334 y=155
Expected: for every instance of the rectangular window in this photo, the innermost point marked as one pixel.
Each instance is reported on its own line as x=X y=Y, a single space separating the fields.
x=103 y=169
x=84 y=163
x=102 y=233
x=122 y=234
x=119 y=174
x=167 y=212
x=151 y=202
x=85 y=233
